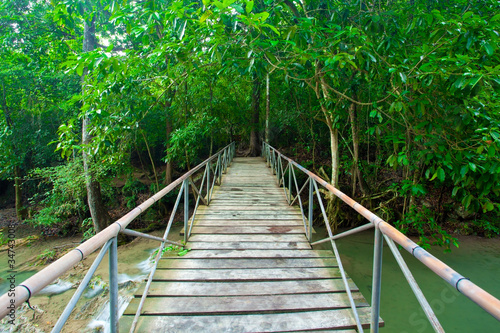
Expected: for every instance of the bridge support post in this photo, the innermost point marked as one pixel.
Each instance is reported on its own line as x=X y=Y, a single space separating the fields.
x=377 y=280
x=113 y=285
x=208 y=183
x=310 y=222
x=290 y=166
x=186 y=209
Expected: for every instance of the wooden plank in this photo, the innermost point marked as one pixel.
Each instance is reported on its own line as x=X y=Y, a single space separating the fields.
x=277 y=322
x=241 y=223
x=269 y=208
x=242 y=304
x=256 y=254
x=242 y=203
x=248 y=245
x=248 y=238
x=245 y=288
x=264 y=204
x=249 y=230
x=251 y=216
x=249 y=183
x=264 y=274
x=226 y=189
x=181 y=263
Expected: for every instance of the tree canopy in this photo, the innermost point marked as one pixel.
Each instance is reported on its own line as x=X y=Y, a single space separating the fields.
x=395 y=102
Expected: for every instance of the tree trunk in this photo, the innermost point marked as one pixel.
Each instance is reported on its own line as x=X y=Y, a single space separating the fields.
x=268 y=103
x=356 y=172
x=100 y=216
x=254 y=138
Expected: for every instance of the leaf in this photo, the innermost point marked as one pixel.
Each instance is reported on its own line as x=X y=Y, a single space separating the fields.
x=249 y=7
x=219 y=4
x=441 y=175
x=79 y=69
x=238 y=8
x=491 y=151
x=273 y=28
x=206 y=2
x=403 y=77
x=495 y=135
x=495 y=18
x=489 y=48
x=205 y=16
x=488 y=207
x=262 y=16
x=466 y=201
x=110 y=48
x=472 y=166
x=467 y=15
x=463 y=170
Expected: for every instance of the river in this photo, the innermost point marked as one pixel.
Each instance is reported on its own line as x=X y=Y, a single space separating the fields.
x=476 y=258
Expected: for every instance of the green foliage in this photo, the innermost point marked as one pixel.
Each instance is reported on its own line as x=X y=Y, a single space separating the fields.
x=187 y=142
x=3 y=240
x=421 y=221
x=174 y=249
x=46 y=257
x=88 y=229
x=62 y=193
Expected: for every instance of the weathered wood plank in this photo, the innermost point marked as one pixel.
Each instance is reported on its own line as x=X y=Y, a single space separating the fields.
x=249 y=230
x=256 y=254
x=248 y=238
x=184 y=263
x=242 y=304
x=242 y=288
x=241 y=223
x=267 y=208
x=248 y=245
x=278 y=322
x=251 y=216
x=272 y=274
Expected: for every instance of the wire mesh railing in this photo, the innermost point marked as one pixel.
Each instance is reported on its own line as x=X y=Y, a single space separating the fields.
x=284 y=169
x=212 y=168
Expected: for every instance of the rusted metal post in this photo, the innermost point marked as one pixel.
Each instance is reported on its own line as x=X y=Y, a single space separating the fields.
x=113 y=285
x=186 y=209
x=377 y=280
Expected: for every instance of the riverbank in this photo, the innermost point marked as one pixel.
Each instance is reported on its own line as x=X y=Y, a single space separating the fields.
x=91 y=313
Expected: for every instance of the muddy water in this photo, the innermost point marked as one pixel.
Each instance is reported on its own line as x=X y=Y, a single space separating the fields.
x=91 y=313
x=476 y=258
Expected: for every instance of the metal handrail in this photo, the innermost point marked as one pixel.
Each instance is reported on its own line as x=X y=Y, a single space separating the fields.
x=384 y=230
x=107 y=239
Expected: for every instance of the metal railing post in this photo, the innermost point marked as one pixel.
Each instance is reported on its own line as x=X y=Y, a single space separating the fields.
x=186 y=208
x=208 y=182
x=290 y=166
x=113 y=285
x=311 y=191
x=278 y=168
x=377 y=280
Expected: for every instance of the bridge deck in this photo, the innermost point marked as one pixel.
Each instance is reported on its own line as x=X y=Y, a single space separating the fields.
x=250 y=269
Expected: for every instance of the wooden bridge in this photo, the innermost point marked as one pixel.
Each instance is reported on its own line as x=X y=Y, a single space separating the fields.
x=250 y=268
x=251 y=265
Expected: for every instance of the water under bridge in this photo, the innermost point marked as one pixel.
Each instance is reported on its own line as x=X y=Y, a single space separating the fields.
x=251 y=264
